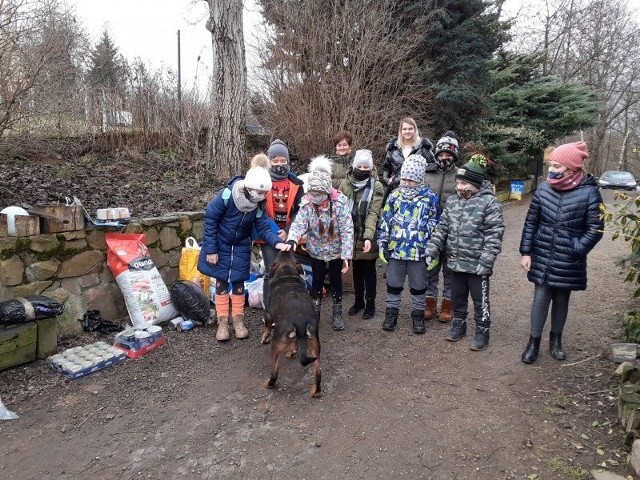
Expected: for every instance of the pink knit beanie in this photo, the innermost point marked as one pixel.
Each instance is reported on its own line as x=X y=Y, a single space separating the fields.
x=571 y=155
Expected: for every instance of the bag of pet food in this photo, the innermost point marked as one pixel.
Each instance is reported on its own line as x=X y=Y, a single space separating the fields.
x=145 y=293
x=188 y=267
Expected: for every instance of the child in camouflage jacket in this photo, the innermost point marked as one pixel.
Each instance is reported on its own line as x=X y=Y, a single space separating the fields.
x=470 y=232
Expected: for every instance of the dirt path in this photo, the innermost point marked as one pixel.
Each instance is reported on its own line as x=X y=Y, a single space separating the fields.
x=395 y=405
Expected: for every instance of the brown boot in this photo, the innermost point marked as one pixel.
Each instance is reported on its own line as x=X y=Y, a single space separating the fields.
x=222 y=335
x=237 y=316
x=239 y=328
x=446 y=311
x=430 y=307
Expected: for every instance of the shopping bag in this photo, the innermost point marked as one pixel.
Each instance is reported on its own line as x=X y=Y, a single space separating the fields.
x=188 y=266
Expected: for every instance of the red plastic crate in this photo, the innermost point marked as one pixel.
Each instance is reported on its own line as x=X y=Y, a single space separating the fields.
x=134 y=354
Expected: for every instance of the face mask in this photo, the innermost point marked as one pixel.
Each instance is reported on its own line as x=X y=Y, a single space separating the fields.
x=319 y=198
x=409 y=192
x=444 y=163
x=255 y=196
x=464 y=192
x=280 y=171
x=556 y=175
x=359 y=175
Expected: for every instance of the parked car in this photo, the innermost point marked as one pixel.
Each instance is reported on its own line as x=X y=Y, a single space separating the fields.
x=617 y=180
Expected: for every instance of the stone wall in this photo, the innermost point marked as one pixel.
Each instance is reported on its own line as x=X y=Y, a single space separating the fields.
x=71 y=267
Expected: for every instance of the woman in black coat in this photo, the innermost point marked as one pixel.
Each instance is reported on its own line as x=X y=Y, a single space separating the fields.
x=563 y=224
x=409 y=142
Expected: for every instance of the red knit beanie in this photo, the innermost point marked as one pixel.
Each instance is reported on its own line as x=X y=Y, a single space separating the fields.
x=571 y=155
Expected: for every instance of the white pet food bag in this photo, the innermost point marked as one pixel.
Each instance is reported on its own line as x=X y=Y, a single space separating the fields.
x=145 y=294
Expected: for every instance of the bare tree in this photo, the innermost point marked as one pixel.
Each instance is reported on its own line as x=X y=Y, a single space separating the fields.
x=229 y=92
x=592 y=41
x=338 y=65
x=34 y=39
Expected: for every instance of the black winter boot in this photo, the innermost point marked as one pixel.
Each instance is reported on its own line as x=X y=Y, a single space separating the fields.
x=336 y=318
x=481 y=338
x=369 y=309
x=390 y=320
x=417 y=316
x=357 y=306
x=458 y=330
x=555 y=346
x=530 y=353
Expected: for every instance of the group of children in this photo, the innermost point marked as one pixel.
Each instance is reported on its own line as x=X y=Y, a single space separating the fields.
x=411 y=229
x=435 y=216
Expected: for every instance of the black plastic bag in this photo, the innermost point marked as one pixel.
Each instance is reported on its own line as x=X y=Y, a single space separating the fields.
x=93 y=322
x=20 y=310
x=190 y=301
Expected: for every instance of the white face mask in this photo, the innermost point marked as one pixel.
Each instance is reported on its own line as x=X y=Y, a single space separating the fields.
x=256 y=196
x=319 y=198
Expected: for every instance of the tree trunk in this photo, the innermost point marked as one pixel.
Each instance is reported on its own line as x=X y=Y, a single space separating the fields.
x=229 y=98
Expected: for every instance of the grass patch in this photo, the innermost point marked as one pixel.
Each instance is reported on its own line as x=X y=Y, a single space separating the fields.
x=562 y=467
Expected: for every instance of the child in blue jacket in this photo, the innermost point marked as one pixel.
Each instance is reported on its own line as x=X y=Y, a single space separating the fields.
x=226 y=248
x=408 y=218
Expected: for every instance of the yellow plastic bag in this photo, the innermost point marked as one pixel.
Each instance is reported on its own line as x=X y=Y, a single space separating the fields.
x=188 y=266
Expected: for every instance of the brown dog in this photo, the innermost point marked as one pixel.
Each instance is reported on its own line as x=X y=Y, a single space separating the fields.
x=292 y=319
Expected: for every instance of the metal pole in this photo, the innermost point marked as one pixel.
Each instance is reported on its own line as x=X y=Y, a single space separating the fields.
x=179 y=83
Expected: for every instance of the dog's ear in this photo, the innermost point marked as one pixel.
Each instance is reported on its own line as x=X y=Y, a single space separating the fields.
x=299 y=269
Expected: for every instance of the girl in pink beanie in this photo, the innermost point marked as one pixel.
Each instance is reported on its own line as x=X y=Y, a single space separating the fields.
x=563 y=224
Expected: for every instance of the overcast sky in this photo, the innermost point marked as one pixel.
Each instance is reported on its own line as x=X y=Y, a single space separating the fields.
x=147 y=29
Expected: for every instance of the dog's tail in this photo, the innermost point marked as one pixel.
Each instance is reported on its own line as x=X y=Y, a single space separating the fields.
x=303 y=353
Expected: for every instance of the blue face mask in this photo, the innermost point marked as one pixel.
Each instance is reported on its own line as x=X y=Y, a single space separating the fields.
x=555 y=175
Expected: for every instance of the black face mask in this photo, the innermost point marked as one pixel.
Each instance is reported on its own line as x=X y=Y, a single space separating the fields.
x=360 y=175
x=280 y=171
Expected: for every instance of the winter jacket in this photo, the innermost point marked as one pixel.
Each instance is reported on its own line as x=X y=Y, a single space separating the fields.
x=406 y=224
x=296 y=191
x=394 y=159
x=307 y=225
x=470 y=231
x=367 y=230
x=561 y=228
x=443 y=184
x=340 y=165
x=227 y=232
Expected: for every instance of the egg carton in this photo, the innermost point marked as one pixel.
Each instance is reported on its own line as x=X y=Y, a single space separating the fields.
x=78 y=362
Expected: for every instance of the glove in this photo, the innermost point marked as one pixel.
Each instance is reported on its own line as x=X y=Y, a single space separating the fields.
x=431 y=263
x=384 y=255
x=292 y=243
x=482 y=270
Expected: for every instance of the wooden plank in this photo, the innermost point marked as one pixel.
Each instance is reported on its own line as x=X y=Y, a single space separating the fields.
x=4 y=229
x=71 y=218
x=27 y=225
x=17 y=344
x=47 y=338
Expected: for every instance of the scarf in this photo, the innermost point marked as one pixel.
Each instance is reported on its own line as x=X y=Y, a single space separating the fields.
x=359 y=212
x=567 y=182
x=240 y=199
x=409 y=192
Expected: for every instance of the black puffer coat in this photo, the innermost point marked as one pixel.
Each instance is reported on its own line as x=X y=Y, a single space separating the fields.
x=394 y=159
x=561 y=228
